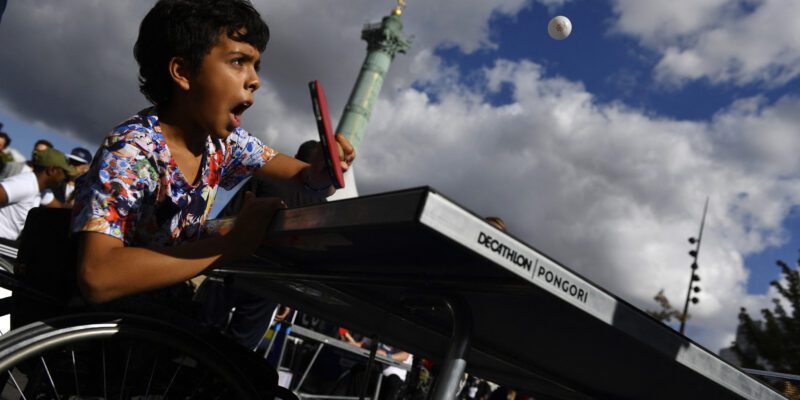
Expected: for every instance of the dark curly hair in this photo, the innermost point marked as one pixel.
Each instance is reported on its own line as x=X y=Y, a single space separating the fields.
x=5 y=136
x=189 y=29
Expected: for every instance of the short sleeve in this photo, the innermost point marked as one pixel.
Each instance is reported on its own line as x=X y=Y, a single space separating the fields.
x=245 y=154
x=109 y=196
x=20 y=187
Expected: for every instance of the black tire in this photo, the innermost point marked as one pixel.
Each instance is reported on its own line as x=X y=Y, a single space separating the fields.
x=105 y=356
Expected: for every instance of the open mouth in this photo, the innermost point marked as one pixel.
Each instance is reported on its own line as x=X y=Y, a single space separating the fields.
x=236 y=113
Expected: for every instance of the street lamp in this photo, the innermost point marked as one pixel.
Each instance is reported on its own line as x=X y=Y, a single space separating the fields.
x=694 y=278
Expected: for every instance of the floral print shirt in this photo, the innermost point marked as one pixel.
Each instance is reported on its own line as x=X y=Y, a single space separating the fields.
x=134 y=190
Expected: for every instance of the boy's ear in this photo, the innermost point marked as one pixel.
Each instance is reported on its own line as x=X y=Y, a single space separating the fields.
x=180 y=72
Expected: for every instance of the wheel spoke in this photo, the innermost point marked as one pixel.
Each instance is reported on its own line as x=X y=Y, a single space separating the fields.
x=14 y=380
x=175 y=374
x=49 y=377
x=75 y=373
x=125 y=373
x=185 y=369
x=150 y=381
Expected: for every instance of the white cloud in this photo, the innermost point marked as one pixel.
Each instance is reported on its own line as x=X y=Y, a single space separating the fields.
x=725 y=41
x=86 y=76
x=71 y=68
x=659 y=21
x=553 y=5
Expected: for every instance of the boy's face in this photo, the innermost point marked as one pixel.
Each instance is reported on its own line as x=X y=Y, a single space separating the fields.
x=222 y=88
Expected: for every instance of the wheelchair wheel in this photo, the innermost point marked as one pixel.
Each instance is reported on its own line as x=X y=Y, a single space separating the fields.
x=6 y=265
x=105 y=356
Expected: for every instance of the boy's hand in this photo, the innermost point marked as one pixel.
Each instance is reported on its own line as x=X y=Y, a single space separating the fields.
x=250 y=228
x=319 y=176
x=347 y=153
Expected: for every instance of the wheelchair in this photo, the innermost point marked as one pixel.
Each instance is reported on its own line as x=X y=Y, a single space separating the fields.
x=59 y=349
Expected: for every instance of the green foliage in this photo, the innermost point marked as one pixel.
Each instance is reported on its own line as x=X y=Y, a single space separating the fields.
x=774 y=342
x=667 y=312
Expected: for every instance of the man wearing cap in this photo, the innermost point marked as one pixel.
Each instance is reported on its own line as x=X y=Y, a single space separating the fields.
x=20 y=193
x=80 y=159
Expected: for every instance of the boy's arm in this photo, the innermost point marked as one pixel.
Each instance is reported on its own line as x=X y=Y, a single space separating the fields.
x=287 y=169
x=400 y=356
x=315 y=175
x=107 y=269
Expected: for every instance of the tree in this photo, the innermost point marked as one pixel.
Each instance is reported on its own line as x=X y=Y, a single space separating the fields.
x=667 y=312
x=773 y=343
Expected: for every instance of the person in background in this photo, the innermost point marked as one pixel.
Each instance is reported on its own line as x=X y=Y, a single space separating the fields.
x=80 y=159
x=496 y=222
x=40 y=145
x=62 y=196
x=9 y=154
x=393 y=377
x=21 y=192
x=12 y=162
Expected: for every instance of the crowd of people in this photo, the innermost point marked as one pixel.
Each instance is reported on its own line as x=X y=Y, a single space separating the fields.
x=46 y=179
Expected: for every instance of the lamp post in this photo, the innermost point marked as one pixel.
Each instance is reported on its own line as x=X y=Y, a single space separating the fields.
x=694 y=278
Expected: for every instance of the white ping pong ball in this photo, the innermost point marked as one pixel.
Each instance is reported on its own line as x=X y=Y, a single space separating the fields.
x=559 y=27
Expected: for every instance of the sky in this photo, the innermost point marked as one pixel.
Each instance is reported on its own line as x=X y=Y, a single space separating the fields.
x=598 y=150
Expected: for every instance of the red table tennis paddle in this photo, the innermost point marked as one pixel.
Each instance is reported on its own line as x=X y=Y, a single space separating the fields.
x=329 y=147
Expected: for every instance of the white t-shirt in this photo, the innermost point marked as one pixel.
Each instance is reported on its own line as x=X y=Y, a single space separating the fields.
x=13 y=168
x=23 y=194
x=392 y=370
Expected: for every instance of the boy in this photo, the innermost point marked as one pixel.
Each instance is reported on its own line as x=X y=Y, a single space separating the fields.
x=139 y=211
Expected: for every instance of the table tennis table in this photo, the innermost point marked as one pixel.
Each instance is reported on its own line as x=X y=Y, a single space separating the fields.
x=414 y=269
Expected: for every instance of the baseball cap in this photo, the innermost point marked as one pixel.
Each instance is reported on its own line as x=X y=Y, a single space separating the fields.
x=80 y=155
x=53 y=158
